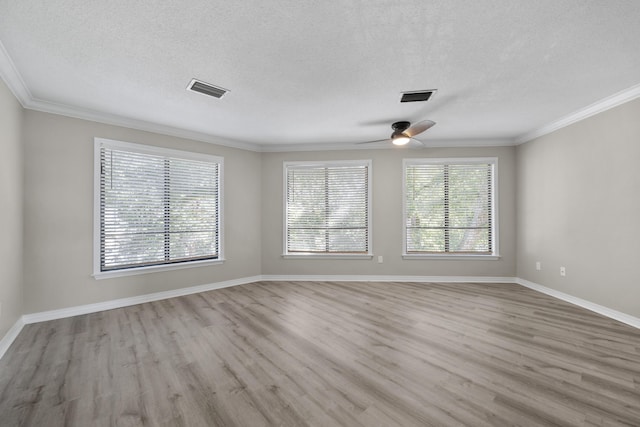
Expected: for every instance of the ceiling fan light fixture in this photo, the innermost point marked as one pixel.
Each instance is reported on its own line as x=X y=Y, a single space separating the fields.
x=403 y=132
x=400 y=139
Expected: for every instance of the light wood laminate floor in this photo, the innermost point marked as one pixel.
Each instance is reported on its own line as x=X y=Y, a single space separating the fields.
x=328 y=354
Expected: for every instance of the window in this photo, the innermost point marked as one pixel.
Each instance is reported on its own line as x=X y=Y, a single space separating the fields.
x=449 y=207
x=154 y=207
x=327 y=208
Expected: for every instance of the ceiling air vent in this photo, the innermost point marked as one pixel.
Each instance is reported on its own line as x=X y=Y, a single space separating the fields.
x=206 y=88
x=417 y=96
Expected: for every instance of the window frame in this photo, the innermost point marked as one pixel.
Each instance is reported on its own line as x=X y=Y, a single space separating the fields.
x=495 y=255
x=157 y=151
x=315 y=255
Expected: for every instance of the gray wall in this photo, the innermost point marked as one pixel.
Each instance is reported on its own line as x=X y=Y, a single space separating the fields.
x=58 y=203
x=579 y=207
x=576 y=192
x=58 y=220
x=11 y=171
x=387 y=217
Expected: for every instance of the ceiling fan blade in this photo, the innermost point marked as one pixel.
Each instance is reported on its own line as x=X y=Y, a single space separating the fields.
x=371 y=142
x=419 y=127
x=416 y=144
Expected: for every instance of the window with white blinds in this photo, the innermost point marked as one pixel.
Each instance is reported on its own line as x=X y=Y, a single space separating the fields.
x=155 y=206
x=449 y=206
x=327 y=208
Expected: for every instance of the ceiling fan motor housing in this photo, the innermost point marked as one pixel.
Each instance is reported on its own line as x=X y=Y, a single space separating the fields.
x=398 y=131
x=400 y=126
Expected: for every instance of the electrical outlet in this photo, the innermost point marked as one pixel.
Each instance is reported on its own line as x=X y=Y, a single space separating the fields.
x=563 y=271
x=380 y=259
x=538 y=266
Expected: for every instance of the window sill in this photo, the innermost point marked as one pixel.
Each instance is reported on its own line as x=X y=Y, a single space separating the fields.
x=327 y=256
x=154 y=269
x=451 y=257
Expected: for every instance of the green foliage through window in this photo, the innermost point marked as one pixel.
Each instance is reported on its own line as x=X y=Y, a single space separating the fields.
x=449 y=207
x=327 y=209
x=156 y=209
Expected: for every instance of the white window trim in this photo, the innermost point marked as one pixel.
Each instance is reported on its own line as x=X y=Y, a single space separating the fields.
x=316 y=164
x=148 y=149
x=451 y=257
x=154 y=268
x=303 y=255
x=494 y=209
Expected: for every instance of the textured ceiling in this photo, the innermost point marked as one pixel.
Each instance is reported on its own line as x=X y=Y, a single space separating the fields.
x=311 y=72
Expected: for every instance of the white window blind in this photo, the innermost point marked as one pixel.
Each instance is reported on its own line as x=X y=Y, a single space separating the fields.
x=156 y=206
x=327 y=208
x=449 y=206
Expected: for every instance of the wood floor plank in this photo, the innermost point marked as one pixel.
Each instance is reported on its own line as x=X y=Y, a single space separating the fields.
x=328 y=354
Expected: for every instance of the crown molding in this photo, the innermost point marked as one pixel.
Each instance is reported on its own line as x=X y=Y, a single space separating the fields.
x=282 y=148
x=16 y=84
x=593 y=109
x=384 y=145
x=12 y=78
x=111 y=119
x=10 y=75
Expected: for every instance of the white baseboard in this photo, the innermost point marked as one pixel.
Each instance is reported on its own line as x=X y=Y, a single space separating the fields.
x=10 y=336
x=600 y=309
x=125 y=302
x=382 y=278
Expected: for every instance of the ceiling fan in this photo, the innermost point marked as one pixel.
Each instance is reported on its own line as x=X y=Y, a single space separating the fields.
x=403 y=132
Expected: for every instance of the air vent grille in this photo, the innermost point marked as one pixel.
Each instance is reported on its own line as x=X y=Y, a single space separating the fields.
x=417 y=96
x=206 y=88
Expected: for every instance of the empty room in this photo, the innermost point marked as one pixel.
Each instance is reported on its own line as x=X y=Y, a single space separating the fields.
x=298 y=213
